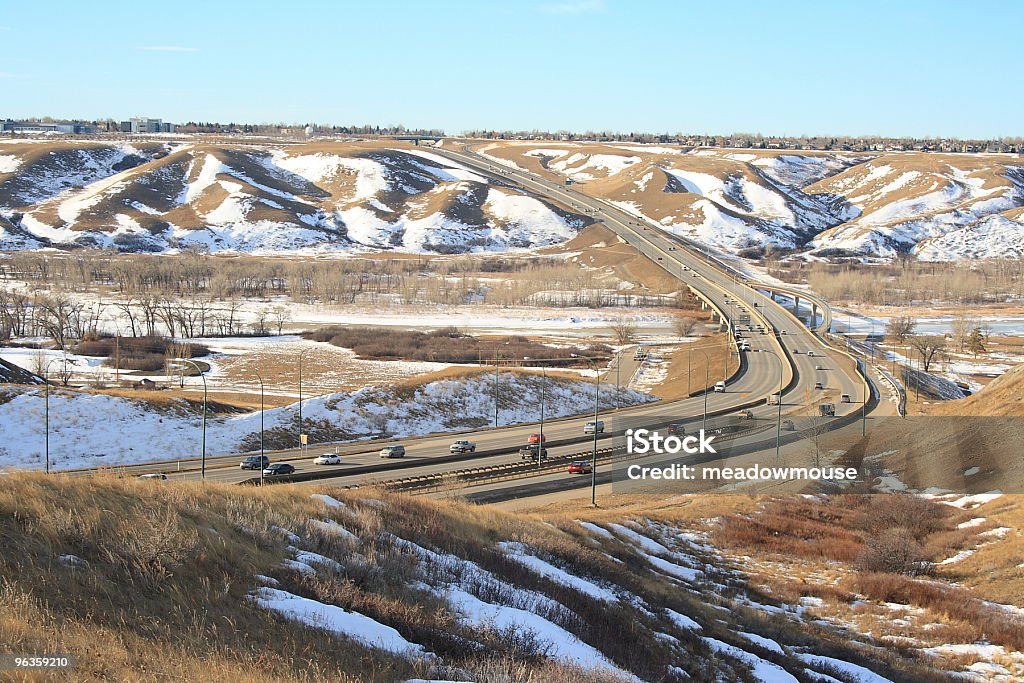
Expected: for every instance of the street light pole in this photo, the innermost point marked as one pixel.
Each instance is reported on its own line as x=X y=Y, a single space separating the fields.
x=46 y=410
x=202 y=377
x=618 y=362
x=495 y=387
x=863 y=413
x=301 y=354
x=543 y=398
x=262 y=414
x=778 y=422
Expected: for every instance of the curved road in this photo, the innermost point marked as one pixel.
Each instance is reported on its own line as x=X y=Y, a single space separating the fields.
x=781 y=356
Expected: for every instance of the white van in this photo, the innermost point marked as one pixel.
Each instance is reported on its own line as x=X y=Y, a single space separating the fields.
x=720 y=386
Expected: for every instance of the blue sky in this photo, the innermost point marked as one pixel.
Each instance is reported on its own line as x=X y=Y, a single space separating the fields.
x=892 y=68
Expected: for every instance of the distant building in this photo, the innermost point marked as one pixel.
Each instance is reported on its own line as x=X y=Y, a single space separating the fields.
x=143 y=125
x=39 y=127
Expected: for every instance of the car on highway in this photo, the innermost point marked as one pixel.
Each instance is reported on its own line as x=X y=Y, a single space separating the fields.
x=675 y=430
x=845 y=398
x=462 y=446
x=720 y=387
x=392 y=452
x=819 y=367
x=327 y=459
x=529 y=452
x=579 y=467
x=158 y=476
x=819 y=385
x=537 y=438
x=594 y=427
x=278 y=469
x=255 y=462
x=810 y=352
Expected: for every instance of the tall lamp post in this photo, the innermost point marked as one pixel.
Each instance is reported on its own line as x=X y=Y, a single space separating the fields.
x=46 y=409
x=202 y=377
x=495 y=387
x=597 y=408
x=707 y=380
x=301 y=355
x=259 y=377
x=778 y=422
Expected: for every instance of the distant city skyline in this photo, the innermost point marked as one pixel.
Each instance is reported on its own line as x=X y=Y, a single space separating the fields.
x=909 y=69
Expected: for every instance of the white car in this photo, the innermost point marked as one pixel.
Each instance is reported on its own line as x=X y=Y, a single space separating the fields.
x=327 y=459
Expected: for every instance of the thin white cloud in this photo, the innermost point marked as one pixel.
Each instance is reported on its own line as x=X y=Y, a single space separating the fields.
x=7 y=74
x=573 y=7
x=168 y=48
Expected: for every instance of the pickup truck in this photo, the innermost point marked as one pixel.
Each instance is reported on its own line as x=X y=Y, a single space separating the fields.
x=529 y=452
x=462 y=446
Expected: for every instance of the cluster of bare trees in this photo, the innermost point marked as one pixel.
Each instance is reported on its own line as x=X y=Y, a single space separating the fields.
x=907 y=281
x=966 y=334
x=198 y=276
x=59 y=316
x=64 y=318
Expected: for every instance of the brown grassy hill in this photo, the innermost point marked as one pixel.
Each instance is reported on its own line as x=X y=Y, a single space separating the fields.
x=153 y=580
x=1003 y=396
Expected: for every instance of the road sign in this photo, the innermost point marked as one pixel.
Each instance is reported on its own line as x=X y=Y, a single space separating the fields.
x=304 y=439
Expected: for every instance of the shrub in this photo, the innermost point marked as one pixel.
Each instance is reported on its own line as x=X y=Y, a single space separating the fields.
x=895 y=551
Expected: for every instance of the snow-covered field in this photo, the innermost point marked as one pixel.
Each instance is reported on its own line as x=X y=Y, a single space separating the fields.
x=88 y=430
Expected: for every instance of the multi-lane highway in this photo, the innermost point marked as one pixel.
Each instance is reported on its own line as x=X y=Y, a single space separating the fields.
x=784 y=354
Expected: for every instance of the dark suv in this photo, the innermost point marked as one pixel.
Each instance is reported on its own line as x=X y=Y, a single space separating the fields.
x=255 y=462
x=529 y=452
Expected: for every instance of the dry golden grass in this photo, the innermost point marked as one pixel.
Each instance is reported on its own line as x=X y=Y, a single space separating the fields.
x=161 y=589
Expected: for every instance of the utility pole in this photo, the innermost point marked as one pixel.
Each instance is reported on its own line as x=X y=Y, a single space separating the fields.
x=593 y=464
x=301 y=354
x=46 y=411
x=202 y=377
x=262 y=414
x=495 y=387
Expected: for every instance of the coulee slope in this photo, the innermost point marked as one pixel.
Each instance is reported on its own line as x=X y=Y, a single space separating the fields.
x=317 y=197
x=941 y=206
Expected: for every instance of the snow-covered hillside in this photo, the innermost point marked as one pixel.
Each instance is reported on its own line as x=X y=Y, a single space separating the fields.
x=906 y=201
x=316 y=198
x=940 y=206
x=81 y=424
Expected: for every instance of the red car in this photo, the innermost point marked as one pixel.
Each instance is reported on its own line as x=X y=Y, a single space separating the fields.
x=674 y=430
x=537 y=438
x=579 y=467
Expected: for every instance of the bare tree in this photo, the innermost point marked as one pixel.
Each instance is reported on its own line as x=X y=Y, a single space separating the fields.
x=685 y=326
x=928 y=345
x=960 y=329
x=281 y=316
x=624 y=330
x=54 y=315
x=900 y=327
x=127 y=307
